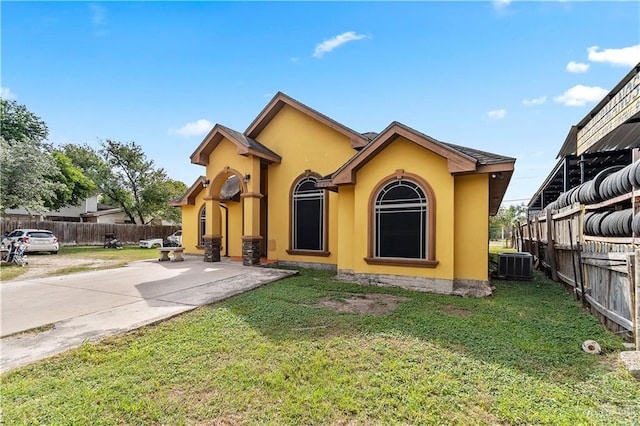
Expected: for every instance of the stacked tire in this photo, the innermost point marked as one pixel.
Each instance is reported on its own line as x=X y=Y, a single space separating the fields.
x=621 y=182
x=611 y=223
x=609 y=183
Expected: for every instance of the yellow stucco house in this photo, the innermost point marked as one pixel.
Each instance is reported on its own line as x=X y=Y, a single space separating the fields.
x=395 y=208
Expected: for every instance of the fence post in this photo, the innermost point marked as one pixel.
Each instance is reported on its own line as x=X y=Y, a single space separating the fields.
x=551 y=250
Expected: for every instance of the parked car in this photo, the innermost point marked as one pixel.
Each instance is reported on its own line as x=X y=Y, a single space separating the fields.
x=151 y=242
x=35 y=240
x=175 y=239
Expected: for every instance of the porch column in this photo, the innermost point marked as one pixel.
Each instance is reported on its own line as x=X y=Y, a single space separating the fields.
x=213 y=234
x=251 y=238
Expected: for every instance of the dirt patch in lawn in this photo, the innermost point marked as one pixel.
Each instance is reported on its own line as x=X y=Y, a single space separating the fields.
x=458 y=312
x=41 y=265
x=374 y=304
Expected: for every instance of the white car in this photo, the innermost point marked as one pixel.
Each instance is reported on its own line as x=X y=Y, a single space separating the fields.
x=35 y=240
x=175 y=238
x=151 y=243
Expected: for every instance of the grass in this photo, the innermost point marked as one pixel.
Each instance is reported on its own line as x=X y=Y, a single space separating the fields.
x=273 y=356
x=10 y=271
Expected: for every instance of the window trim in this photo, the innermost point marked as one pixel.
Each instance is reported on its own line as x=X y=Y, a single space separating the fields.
x=325 y=217
x=430 y=261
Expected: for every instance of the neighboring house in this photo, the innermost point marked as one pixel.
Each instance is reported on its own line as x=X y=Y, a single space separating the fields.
x=396 y=208
x=89 y=210
x=106 y=214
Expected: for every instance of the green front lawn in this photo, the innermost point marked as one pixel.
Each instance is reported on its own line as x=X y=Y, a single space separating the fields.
x=276 y=355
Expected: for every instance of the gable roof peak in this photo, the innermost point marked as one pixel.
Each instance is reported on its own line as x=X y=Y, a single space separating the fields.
x=244 y=144
x=281 y=99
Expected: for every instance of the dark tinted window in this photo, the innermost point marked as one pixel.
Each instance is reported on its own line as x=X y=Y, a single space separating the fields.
x=308 y=216
x=40 y=234
x=401 y=221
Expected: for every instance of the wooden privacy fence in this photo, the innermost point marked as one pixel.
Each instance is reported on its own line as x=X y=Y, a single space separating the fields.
x=601 y=270
x=72 y=233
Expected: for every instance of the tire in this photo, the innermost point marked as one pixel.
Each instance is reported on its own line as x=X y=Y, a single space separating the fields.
x=603 y=176
x=633 y=175
x=597 y=225
x=628 y=218
x=605 y=226
x=619 y=183
x=588 y=222
x=635 y=225
x=627 y=186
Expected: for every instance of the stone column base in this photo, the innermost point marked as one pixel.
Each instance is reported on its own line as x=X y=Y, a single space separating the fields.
x=251 y=250
x=212 y=244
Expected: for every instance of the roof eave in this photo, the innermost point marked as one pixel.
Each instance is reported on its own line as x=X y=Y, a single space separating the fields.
x=456 y=162
x=189 y=198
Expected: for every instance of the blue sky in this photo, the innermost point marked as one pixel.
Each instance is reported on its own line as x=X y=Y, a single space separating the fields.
x=509 y=77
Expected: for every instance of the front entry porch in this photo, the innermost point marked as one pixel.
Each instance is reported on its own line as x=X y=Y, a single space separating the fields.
x=245 y=217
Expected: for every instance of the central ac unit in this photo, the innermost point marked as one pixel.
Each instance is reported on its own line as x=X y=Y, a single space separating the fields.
x=515 y=265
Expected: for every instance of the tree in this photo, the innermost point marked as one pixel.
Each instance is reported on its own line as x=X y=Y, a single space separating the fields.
x=126 y=178
x=17 y=123
x=505 y=219
x=75 y=185
x=25 y=161
x=23 y=181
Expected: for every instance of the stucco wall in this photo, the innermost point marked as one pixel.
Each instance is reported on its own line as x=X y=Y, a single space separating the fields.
x=405 y=155
x=471 y=227
x=233 y=241
x=304 y=144
x=190 y=221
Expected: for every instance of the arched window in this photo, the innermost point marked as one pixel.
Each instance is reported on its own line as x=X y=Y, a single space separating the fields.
x=401 y=221
x=202 y=225
x=308 y=205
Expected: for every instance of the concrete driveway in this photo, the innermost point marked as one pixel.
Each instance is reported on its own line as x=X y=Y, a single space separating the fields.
x=73 y=309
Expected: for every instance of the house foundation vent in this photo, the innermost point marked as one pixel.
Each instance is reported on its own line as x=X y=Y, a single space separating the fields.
x=515 y=265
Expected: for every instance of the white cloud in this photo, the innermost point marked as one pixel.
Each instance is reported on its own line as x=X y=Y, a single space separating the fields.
x=195 y=128
x=99 y=18
x=577 y=67
x=99 y=14
x=534 y=101
x=7 y=94
x=580 y=95
x=501 y=5
x=626 y=56
x=497 y=114
x=339 y=40
x=294 y=59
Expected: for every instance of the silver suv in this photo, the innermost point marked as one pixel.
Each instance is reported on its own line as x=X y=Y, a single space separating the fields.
x=35 y=240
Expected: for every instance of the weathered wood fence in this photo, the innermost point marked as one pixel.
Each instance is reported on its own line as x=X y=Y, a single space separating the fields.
x=601 y=270
x=72 y=233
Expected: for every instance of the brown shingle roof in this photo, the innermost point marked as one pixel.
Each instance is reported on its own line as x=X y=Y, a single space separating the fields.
x=249 y=142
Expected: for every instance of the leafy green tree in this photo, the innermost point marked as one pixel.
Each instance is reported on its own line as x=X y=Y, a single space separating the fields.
x=23 y=178
x=26 y=166
x=75 y=185
x=17 y=123
x=126 y=178
x=505 y=220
